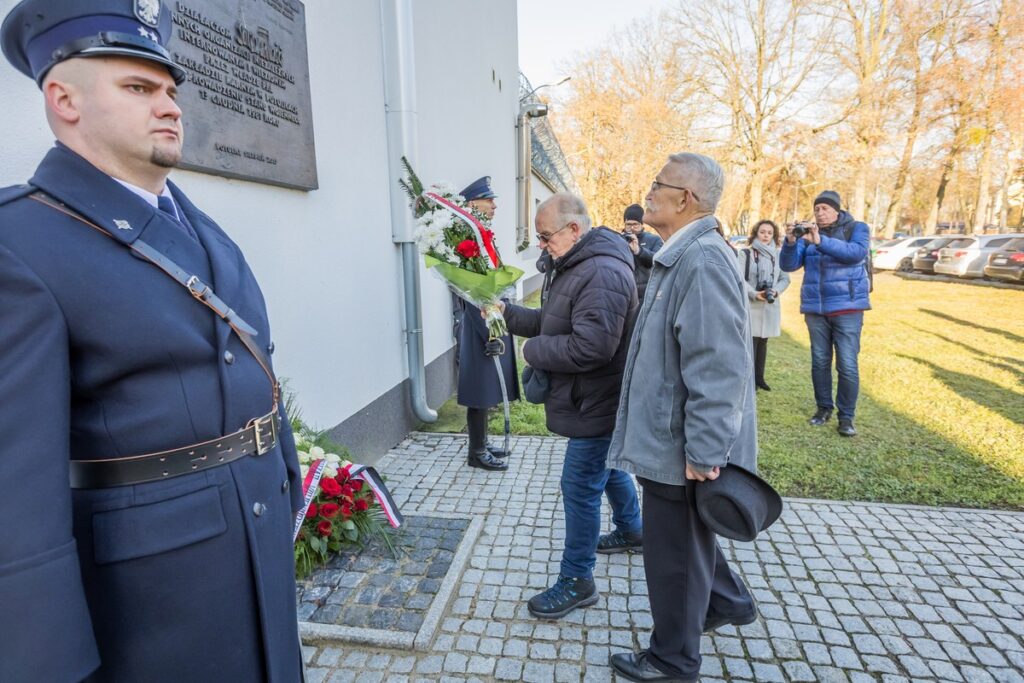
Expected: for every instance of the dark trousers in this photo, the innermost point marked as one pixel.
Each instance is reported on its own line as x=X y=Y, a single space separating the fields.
x=760 y=355
x=842 y=333
x=687 y=577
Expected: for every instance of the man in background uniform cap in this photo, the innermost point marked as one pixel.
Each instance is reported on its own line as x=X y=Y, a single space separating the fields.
x=117 y=564
x=479 y=387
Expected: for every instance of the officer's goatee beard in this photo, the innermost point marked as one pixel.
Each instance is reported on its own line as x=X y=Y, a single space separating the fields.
x=165 y=158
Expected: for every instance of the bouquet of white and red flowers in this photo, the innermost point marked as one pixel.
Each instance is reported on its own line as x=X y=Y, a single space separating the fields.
x=345 y=505
x=457 y=243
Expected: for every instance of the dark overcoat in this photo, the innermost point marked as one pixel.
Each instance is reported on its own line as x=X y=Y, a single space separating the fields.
x=479 y=386
x=102 y=355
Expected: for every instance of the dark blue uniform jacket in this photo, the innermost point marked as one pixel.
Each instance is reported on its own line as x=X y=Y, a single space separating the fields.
x=102 y=355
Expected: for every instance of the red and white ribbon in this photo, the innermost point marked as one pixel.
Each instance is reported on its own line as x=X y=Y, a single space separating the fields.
x=310 y=486
x=486 y=245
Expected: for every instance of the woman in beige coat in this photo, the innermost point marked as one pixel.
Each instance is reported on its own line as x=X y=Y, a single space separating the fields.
x=759 y=263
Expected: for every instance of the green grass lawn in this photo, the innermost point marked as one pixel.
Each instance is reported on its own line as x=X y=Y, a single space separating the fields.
x=941 y=409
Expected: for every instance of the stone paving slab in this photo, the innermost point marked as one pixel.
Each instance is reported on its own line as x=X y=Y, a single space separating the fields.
x=848 y=592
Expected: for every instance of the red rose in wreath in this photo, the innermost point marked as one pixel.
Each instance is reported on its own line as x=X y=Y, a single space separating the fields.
x=325 y=528
x=311 y=511
x=330 y=487
x=329 y=510
x=362 y=505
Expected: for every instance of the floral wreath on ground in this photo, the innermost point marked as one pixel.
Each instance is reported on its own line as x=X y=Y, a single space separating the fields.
x=343 y=512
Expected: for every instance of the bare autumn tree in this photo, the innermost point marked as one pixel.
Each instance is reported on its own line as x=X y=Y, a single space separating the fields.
x=751 y=58
x=629 y=107
x=864 y=45
x=921 y=25
x=912 y=106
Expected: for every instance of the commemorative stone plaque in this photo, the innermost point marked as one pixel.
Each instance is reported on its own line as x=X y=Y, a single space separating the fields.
x=247 y=102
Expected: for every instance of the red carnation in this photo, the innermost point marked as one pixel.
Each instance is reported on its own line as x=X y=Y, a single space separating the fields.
x=468 y=249
x=362 y=505
x=325 y=528
x=347 y=490
x=330 y=487
x=346 y=510
x=311 y=511
x=329 y=510
x=357 y=484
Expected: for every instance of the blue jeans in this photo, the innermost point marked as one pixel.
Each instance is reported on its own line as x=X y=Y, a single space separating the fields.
x=841 y=332
x=585 y=476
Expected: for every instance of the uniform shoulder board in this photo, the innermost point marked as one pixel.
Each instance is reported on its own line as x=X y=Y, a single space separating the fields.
x=14 y=192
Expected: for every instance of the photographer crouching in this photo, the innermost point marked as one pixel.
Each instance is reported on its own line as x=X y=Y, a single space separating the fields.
x=833 y=252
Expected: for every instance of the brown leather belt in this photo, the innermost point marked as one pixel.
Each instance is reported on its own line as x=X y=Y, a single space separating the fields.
x=258 y=438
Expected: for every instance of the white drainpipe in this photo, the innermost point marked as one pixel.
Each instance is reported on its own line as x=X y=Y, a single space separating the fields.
x=396 y=22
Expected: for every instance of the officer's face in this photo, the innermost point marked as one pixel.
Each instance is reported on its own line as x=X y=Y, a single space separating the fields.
x=130 y=112
x=485 y=206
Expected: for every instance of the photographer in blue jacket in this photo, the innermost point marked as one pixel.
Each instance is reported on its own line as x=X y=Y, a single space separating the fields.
x=833 y=251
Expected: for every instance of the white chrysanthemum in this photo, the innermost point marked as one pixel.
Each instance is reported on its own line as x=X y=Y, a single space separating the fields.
x=330 y=472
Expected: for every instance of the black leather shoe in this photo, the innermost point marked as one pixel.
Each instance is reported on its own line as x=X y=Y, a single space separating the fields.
x=497 y=452
x=846 y=428
x=714 y=621
x=634 y=666
x=821 y=417
x=763 y=386
x=486 y=461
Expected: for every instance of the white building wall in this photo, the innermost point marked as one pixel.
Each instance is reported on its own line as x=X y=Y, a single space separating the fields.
x=325 y=260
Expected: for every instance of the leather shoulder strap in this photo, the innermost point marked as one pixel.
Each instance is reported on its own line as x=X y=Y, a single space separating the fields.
x=199 y=290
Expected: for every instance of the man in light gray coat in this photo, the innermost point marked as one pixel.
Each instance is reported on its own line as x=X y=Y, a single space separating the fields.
x=693 y=331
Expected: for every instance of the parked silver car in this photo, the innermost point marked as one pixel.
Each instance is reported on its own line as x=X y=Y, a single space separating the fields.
x=967 y=256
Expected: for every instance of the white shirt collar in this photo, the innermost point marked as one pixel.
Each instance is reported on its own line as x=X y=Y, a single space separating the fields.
x=148 y=196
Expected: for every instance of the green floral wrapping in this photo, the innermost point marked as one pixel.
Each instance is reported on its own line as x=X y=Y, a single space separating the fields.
x=482 y=289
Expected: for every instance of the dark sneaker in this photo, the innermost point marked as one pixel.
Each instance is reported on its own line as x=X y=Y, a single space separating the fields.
x=821 y=417
x=566 y=595
x=713 y=621
x=620 y=542
x=846 y=427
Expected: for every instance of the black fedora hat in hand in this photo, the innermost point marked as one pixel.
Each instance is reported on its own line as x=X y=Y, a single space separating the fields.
x=738 y=504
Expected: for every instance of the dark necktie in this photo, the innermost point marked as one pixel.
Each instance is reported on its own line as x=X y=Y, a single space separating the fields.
x=166 y=204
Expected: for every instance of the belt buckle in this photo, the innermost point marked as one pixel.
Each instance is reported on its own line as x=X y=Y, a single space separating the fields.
x=263 y=442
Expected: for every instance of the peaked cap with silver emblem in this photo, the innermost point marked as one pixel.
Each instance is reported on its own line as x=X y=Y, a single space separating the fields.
x=38 y=34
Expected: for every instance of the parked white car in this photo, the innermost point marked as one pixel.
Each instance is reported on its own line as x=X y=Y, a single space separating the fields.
x=899 y=254
x=967 y=256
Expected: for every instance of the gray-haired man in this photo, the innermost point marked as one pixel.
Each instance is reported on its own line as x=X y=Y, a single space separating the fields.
x=693 y=332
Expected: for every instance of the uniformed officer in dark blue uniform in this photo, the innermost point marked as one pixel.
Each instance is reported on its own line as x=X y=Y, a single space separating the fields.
x=479 y=387
x=147 y=476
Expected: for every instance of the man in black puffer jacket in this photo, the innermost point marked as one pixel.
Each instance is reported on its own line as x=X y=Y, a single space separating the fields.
x=580 y=337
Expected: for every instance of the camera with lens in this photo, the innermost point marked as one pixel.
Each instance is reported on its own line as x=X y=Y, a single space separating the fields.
x=766 y=287
x=801 y=229
x=628 y=236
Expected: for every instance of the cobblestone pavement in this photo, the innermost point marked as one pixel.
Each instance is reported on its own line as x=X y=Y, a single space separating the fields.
x=847 y=591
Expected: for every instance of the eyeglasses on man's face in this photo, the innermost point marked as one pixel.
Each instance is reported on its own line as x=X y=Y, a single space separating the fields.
x=658 y=184
x=544 y=238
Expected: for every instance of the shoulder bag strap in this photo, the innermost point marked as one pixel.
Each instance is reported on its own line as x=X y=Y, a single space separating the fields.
x=199 y=290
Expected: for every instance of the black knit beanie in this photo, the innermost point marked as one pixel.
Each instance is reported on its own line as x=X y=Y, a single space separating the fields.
x=830 y=197
x=634 y=212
